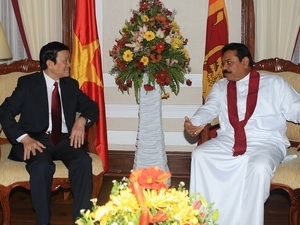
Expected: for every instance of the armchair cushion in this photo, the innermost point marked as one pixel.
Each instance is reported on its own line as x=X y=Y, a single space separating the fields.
x=14 y=171
x=288 y=172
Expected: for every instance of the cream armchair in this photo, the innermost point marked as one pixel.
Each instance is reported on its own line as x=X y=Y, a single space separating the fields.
x=13 y=173
x=287 y=175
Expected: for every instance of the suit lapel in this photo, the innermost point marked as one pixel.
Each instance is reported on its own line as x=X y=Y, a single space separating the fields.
x=40 y=94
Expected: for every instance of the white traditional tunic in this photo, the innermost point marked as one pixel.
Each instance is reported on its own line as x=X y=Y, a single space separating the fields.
x=239 y=186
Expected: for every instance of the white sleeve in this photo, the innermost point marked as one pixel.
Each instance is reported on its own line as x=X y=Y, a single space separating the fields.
x=211 y=108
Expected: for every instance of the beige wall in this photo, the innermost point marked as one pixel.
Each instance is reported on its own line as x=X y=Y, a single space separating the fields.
x=121 y=109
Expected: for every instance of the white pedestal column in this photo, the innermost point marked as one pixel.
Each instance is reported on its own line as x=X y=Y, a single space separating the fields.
x=150 y=145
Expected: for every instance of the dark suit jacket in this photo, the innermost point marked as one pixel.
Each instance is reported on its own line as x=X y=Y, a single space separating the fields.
x=29 y=99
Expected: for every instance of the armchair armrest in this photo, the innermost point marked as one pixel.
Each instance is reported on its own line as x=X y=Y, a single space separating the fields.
x=204 y=135
x=209 y=131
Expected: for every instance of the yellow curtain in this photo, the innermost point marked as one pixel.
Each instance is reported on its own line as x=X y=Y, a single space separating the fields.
x=42 y=22
x=277 y=23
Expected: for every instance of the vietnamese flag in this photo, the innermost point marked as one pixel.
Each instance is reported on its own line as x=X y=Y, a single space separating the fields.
x=216 y=38
x=87 y=69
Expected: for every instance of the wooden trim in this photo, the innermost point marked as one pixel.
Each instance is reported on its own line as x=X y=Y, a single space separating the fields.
x=248 y=25
x=24 y=66
x=68 y=7
x=121 y=163
x=277 y=65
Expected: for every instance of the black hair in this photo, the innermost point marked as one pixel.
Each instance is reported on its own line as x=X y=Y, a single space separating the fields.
x=241 y=51
x=49 y=52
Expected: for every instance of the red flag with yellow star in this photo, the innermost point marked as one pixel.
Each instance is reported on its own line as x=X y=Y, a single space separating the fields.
x=216 y=38
x=87 y=69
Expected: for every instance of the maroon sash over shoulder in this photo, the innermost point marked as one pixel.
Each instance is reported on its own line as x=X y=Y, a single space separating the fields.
x=240 y=143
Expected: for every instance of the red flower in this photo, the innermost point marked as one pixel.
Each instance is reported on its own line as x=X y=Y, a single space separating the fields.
x=160 y=216
x=150 y=16
x=139 y=65
x=160 y=47
x=117 y=81
x=148 y=87
x=144 y=7
x=158 y=3
x=168 y=12
x=121 y=65
x=152 y=177
x=114 y=52
x=163 y=78
x=140 y=197
x=155 y=58
x=138 y=192
x=167 y=31
x=188 y=82
x=132 y=20
x=121 y=42
x=197 y=204
x=124 y=87
x=129 y=83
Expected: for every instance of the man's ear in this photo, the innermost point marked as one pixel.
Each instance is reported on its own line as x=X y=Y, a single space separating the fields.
x=49 y=63
x=245 y=62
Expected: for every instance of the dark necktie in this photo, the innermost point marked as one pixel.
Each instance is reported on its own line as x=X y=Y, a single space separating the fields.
x=55 y=116
x=240 y=142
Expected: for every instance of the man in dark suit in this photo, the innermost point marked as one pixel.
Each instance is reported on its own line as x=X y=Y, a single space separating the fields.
x=31 y=136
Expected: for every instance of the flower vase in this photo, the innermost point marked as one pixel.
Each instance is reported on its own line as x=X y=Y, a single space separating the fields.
x=150 y=145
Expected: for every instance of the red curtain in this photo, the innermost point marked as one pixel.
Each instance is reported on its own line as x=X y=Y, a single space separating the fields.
x=17 y=12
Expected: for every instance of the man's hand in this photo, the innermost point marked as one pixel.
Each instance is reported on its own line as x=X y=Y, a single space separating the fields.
x=31 y=146
x=77 y=133
x=190 y=128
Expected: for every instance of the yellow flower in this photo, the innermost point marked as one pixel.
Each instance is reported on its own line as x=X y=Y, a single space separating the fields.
x=177 y=43
x=149 y=35
x=128 y=56
x=151 y=32
x=145 y=60
x=163 y=205
x=103 y=210
x=125 y=200
x=125 y=27
x=186 y=53
x=175 y=26
x=145 y=18
x=165 y=95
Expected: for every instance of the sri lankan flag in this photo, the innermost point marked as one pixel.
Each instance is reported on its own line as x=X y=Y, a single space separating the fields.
x=216 y=38
x=87 y=68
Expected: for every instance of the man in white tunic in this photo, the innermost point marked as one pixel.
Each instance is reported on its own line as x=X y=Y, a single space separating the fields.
x=235 y=169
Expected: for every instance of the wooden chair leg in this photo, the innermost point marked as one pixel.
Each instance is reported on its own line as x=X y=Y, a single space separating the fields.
x=97 y=183
x=4 y=198
x=293 y=216
x=66 y=194
x=294 y=208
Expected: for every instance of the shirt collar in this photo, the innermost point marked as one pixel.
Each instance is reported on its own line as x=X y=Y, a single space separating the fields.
x=49 y=81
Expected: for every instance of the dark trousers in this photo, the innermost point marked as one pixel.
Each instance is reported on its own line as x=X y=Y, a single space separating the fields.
x=41 y=169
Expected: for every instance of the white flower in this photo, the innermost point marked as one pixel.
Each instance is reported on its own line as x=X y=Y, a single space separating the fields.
x=168 y=39
x=137 y=46
x=143 y=29
x=160 y=33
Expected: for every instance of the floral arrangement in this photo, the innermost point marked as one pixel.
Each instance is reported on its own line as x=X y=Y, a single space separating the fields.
x=145 y=199
x=151 y=43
